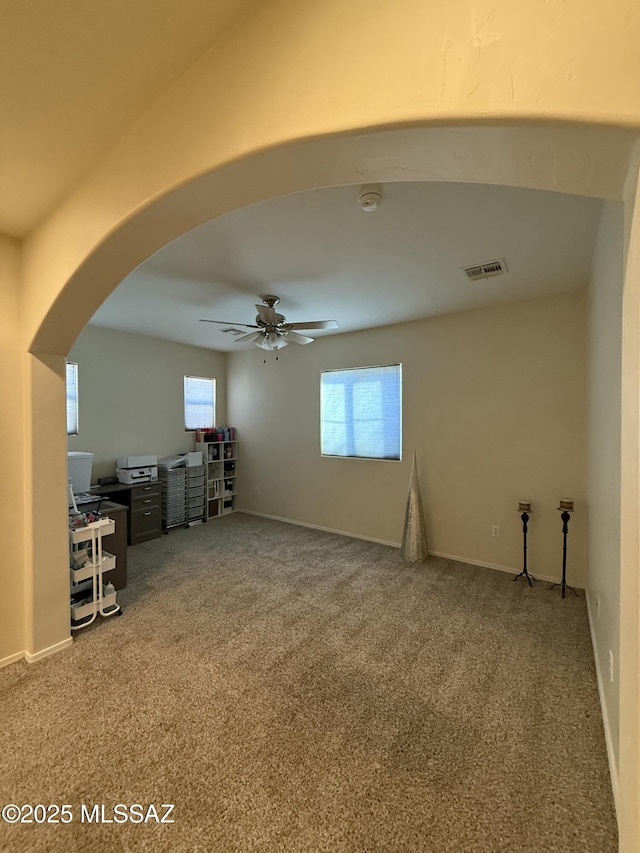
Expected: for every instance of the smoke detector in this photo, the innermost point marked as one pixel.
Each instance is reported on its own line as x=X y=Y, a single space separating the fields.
x=370 y=197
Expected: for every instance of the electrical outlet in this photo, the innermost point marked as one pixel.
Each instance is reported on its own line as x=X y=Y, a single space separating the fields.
x=610 y=665
x=257 y=490
x=495 y=530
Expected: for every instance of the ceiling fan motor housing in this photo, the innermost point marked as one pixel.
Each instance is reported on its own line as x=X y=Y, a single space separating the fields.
x=280 y=320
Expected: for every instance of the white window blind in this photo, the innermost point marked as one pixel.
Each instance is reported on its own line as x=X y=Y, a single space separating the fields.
x=72 y=398
x=361 y=412
x=199 y=402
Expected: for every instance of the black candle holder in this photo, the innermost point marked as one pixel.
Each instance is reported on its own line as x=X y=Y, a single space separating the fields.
x=524 y=573
x=565 y=516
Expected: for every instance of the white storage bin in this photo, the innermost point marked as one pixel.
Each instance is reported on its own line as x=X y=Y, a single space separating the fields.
x=79 y=466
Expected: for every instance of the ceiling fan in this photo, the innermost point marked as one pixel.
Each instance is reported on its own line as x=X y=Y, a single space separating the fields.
x=273 y=331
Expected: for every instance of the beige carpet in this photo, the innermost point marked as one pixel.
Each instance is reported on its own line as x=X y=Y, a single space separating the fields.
x=291 y=690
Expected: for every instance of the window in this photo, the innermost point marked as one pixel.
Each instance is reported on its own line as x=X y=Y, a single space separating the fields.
x=360 y=412
x=199 y=402
x=72 y=398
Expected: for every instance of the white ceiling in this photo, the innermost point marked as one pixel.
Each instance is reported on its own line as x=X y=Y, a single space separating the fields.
x=328 y=259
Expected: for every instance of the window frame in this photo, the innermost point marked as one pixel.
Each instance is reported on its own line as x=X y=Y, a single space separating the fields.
x=72 y=401
x=345 y=370
x=210 y=379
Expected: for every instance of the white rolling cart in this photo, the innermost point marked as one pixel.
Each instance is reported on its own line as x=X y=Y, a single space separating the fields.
x=90 y=596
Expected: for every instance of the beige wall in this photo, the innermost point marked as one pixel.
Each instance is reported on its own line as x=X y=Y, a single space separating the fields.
x=131 y=394
x=629 y=751
x=12 y=450
x=605 y=374
x=494 y=404
x=47 y=586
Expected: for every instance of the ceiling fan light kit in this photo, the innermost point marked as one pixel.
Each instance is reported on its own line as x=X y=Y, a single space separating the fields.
x=272 y=330
x=271 y=341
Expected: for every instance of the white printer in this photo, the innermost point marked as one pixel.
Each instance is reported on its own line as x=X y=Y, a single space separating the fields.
x=137 y=469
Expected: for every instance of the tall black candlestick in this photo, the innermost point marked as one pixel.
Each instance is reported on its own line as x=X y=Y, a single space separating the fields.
x=565 y=529
x=525 y=521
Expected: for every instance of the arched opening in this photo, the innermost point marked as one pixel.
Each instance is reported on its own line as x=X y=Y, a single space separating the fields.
x=544 y=156
x=541 y=157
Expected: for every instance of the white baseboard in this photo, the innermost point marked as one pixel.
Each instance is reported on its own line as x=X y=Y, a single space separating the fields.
x=319 y=527
x=50 y=650
x=11 y=659
x=508 y=569
x=32 y=658
x=613 y=770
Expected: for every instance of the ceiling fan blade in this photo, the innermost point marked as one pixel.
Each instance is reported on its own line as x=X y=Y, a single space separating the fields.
x=223 y=323
x=252 y=336
x=317 y=324
x=298 y=339
x=267 y=314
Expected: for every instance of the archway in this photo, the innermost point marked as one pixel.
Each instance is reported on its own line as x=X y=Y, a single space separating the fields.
x=540 y=157
x=583 y=160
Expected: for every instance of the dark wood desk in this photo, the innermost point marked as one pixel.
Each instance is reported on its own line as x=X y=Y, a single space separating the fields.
x=144 y=503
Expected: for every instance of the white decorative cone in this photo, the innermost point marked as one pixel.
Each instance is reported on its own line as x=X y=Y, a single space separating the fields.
x=414 y=538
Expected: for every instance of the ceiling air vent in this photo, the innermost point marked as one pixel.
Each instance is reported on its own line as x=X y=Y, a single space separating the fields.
x=486 y=270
